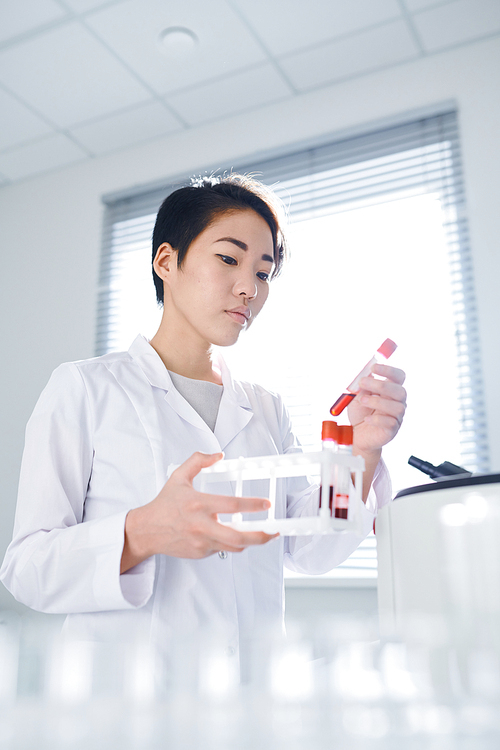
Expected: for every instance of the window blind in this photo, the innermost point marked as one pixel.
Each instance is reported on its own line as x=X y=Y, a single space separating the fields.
x=412 y=158
x=409 y=159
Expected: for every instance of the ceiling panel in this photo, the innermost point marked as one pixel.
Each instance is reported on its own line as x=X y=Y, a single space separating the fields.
x=102 y=77
x=288 y=25
x=131 y=29
x=416 y=5
x=250 y=89
x=66 y=75
x=127 y=128
x=458 y=22
x=18 y=122
x=385 y=45
x=19 y=16
x=82 y=6
x=47 y=153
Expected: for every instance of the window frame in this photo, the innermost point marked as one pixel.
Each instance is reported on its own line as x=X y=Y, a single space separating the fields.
x=302 y=164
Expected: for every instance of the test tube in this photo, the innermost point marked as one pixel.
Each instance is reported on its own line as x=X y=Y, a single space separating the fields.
x=329 y=443
x=344 y=440
x=383 y=352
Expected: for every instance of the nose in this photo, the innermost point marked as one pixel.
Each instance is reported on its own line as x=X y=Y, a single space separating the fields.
x=246 y=286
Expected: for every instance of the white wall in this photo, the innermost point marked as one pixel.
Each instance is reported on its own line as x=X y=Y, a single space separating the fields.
x=51 y=225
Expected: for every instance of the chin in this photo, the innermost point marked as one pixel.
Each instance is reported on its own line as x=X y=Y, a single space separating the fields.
x=225 y=339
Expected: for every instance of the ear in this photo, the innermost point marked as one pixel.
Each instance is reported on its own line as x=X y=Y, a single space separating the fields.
x=165 y=261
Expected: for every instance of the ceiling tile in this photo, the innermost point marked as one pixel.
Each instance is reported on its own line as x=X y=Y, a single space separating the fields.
x=289 y=25
x=236 y=93
x=386 y=45
x=416 y=5
x=131 y=29
x=19 y=17
x=68 y=76
x=82 y=6
x=458 y=22
x=127 y=128
x=18 y=122
x=47 y=153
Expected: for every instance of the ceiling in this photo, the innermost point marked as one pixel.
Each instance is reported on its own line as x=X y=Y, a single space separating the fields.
x=83 y=78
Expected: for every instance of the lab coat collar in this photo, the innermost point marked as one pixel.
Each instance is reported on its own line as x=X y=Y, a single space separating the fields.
x=235 y=410
x=234 y=389
x=158 y=376
x=150 y=363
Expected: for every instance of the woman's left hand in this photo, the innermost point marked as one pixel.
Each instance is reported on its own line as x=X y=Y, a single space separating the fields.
x=378 y=409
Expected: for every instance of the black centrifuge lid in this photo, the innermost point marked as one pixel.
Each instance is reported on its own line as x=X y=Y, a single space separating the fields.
x=459 y=480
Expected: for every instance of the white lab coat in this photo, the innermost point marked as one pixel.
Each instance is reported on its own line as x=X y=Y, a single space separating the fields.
x=104 y=436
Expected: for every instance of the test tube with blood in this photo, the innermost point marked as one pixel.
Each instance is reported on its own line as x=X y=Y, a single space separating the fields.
x=343 y=483
x=383 y=353
x=329 y=443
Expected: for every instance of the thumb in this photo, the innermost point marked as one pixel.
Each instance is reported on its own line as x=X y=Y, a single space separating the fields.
x=194 y=464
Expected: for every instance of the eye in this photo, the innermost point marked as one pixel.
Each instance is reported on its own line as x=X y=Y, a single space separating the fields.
x=263 y=276
x=228 y=259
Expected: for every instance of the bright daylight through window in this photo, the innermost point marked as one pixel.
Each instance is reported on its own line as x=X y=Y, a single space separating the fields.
x=379 y=249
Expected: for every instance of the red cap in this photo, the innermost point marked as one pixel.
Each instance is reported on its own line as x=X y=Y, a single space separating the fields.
x=329 y=430
x=344 y=434
x=387 y=348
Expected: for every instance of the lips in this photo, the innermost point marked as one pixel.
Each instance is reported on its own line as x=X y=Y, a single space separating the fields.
x=240 y=314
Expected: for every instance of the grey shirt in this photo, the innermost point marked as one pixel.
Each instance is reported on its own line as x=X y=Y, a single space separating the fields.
x=203 y=396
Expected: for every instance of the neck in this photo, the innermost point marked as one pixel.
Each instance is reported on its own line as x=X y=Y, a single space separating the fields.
x=191 y=358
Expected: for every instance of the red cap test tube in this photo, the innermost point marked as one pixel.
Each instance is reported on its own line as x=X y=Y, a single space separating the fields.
x=384 y=351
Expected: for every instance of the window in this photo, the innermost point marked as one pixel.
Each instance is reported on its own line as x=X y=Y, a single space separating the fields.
x=379 y=249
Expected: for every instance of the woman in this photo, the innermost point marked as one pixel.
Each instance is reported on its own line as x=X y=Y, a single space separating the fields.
x=107 y=529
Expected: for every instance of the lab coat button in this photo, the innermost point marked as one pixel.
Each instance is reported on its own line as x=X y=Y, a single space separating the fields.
x=230 y=651
x=222 y=554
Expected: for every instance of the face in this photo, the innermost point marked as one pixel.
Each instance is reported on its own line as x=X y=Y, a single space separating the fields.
x=223 y=282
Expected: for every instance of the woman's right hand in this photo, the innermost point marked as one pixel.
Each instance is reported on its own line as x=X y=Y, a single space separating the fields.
x=181 y=522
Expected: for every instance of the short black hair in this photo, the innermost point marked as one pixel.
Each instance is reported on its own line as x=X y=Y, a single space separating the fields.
x=188 y=211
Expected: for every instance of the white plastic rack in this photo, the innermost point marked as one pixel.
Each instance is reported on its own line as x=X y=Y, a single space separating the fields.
x=321 y=463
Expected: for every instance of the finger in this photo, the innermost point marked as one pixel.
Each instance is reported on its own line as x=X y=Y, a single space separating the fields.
x=230 y=504
x=384 y=388
x=194 y=464
x=231 y=540
x=383 y=422
x=226 y=547
x=256 y=537
x=384 y=406
x=392 y=373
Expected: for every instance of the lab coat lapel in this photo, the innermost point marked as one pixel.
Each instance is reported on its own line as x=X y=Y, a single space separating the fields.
x=143 y=401
x=158 y=376
x=235 y=410
x=179 y=404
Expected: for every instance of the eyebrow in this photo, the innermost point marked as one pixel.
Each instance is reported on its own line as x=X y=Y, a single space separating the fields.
x=243 y=246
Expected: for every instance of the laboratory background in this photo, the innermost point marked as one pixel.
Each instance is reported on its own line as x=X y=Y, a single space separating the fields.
x=109 y=104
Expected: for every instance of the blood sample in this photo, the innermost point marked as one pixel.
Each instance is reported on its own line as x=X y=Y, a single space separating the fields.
x=383 y=352
x=343 y=484
x=329 y=443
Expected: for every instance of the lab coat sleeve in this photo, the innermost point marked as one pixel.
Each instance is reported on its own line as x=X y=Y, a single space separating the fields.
x=57 y=562
x=319 y=554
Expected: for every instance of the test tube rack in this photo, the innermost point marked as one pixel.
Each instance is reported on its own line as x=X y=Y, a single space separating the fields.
x=322 y=463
